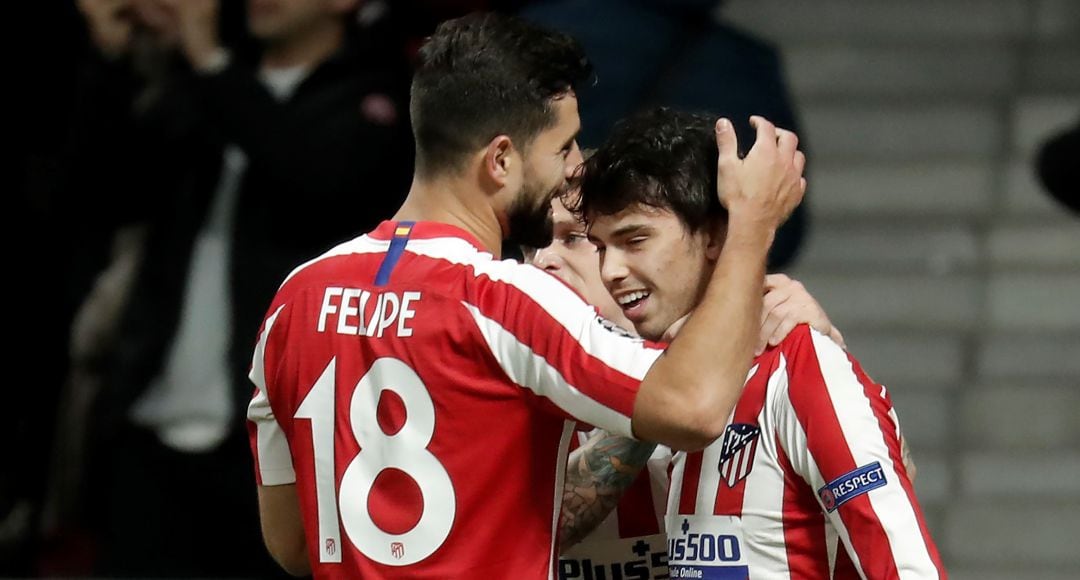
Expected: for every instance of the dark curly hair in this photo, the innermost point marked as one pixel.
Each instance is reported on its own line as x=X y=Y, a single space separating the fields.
x=661 y=158
x=485 y=75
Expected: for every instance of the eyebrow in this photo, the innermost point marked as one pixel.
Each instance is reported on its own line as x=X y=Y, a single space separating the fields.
x=630 y=229
x=622 y=232
x=567 y=226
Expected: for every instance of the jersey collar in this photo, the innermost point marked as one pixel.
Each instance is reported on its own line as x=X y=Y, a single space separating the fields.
x=426 y=231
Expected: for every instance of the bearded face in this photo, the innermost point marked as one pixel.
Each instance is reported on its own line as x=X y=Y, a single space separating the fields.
x=529 y=217
x=549 y=160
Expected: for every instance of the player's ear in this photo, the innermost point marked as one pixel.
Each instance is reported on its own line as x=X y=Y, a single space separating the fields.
x=500 y=160
x=715 y=233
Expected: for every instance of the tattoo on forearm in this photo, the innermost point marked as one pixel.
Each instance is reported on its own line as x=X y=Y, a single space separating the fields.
x=596 y=477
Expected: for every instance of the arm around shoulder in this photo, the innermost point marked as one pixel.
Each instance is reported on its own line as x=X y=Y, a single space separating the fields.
x=689 y=392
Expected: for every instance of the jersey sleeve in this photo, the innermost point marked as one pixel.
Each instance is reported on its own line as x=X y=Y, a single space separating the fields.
x=549 y=341
x=840 y=432
x=269 y=447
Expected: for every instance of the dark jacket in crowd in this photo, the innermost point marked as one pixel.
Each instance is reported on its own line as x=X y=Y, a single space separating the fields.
x=328 y=164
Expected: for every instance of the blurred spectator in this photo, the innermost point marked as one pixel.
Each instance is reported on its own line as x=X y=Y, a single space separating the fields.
x=236 y=173
x=1058 y=166
x=43 y=79
x=675 y=53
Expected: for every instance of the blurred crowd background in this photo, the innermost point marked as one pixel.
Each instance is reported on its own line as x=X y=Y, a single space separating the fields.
x=177 y=158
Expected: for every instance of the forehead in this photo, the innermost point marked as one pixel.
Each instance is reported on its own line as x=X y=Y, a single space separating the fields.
x=560 y=214
x=567 y=121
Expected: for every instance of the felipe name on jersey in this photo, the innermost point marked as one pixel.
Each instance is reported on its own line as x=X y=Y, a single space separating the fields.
x=358 y=312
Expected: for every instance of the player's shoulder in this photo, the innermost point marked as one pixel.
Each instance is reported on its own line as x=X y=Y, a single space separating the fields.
x=803 y=345
x=319 y=268
x=805 y=338
x=525 y=281
x=512 y=271
x=813 y=362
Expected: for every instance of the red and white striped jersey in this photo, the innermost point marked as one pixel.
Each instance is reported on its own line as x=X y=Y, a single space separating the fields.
x=421 y=395
x=807 y=481
x=630 y=542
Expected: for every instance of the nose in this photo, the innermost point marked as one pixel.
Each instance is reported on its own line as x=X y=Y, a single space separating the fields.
x=573 y=160
x=613 y=268
x=548 y=259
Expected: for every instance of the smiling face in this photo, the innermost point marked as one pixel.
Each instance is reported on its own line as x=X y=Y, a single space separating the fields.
x=653 y=266
x=572 y=258
x=548 y=163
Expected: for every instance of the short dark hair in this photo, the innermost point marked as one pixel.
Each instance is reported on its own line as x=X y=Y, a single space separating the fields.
x=660 y=158
x=485 y=75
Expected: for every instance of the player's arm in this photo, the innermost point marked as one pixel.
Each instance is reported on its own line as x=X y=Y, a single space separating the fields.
x=687 y=395
x=547 y=339
x=279 y=505
x=840 y=433
x=282 y=528
x=596 y=476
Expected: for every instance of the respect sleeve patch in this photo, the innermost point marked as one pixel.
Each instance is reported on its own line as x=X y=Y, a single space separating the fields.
x=851 y=485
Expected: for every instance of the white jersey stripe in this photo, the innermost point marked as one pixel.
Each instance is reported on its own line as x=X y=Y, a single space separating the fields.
x=560 y=485
x=859 y=425
x=798 y=453
x=275 y=463
x=803 y=462
x=764 y=494
x=675 y=488
x=710 y=478
x=360 y=245
x=529 y=370
x=831 y=544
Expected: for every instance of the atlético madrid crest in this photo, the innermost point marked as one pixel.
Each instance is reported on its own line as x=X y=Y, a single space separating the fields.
x=737 y=452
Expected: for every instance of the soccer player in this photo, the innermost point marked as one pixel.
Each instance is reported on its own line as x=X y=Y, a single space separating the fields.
x=604 y=469
x=415 y=396
x=807 y=480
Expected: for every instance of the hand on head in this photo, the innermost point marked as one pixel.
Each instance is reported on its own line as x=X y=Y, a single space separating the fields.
x=764 y=187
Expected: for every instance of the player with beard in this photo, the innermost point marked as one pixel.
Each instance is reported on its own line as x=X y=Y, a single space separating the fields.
x=808 y=480
x=415 y=396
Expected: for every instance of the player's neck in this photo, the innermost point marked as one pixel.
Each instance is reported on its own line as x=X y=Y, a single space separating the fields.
x=673 y=330
x=451 y=201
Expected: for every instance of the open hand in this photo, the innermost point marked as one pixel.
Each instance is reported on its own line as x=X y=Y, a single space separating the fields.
x=786 y=304
x=766 y=186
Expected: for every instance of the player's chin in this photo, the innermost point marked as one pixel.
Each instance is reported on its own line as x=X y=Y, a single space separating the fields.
x=651 y=325
x=647 y=328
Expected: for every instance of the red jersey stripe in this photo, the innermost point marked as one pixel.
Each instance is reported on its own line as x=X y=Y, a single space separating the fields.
x=804 y=524
x=636 y=510
x=831 y=451
x=729 y=500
